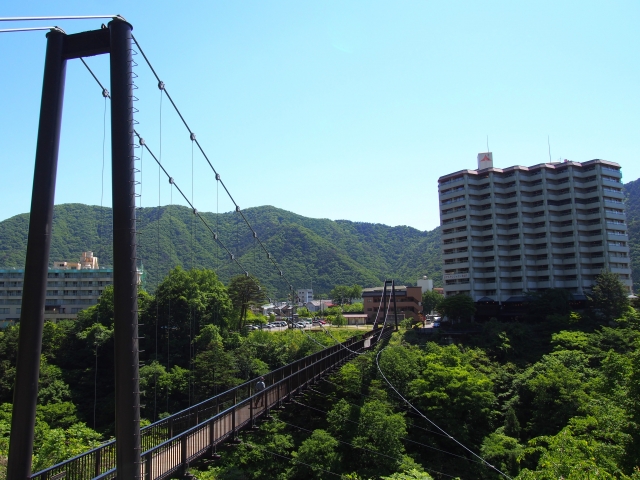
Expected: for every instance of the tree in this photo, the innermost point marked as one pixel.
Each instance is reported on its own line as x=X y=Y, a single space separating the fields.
x=609 y=296
x=457 y=307
x=185 y=301
x=339 y=320
x=553 y=301
x=316 y=455
x=430 y=301
x=379 y=430
x=340 y=294
x=355 y=293
x=244 y=292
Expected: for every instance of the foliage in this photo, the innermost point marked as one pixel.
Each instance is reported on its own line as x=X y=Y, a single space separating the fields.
x=244 y=292
x=316 y=454
x=339 y=320
x=552 y=301
x=609 y=296
x=353 y=308
x=430 y=301
x=343 y=294
x=457 y=307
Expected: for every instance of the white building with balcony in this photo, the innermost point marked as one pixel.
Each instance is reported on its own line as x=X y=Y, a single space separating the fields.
x=518 y=229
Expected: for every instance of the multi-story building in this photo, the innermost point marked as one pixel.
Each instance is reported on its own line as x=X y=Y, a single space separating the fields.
x=518 y=229
x=408 y=302
x=71 y=287
x=305 y=295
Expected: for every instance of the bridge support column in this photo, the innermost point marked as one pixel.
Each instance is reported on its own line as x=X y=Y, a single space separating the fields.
x=25 y=392
x=125 y=281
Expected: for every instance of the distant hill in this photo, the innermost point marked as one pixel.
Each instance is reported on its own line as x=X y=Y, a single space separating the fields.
x=316 y=253
x=311 y=252
x=632 y=191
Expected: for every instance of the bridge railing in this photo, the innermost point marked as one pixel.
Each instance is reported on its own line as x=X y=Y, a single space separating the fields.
x=214 y=419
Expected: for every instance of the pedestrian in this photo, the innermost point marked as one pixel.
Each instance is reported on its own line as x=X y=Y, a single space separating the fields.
x=260 y=386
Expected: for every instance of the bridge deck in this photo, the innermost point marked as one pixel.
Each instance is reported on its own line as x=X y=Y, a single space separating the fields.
x=171 y=444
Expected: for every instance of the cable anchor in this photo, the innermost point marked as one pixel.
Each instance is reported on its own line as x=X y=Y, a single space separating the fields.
x=217 y=176
x=193 y=137
x=171 y=181
x=161 y=85
x=105 y=93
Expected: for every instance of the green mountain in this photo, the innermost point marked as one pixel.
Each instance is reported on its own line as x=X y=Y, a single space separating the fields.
x=311 y=252
x=316 y=253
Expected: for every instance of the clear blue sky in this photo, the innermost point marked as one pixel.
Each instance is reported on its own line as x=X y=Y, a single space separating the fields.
x=340 y=110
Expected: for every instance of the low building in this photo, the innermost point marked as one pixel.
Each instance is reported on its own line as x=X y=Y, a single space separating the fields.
x=355 y=318
x=408 y=302
x=71 y=287
x=318 y=305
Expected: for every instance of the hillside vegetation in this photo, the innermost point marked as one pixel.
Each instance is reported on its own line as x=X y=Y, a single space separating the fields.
x=311 y=252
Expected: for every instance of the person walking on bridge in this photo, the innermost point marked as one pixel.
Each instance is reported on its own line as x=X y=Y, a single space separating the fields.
x=260 y=386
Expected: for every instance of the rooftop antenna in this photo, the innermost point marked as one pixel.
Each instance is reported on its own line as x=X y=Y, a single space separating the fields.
x=488 y=143
x=549 y=144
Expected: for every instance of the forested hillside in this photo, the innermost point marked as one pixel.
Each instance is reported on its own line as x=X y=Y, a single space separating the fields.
x=312 y=252
x=318 y=253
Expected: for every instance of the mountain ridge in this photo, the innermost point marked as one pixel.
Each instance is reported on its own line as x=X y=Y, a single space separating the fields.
x=311 y=252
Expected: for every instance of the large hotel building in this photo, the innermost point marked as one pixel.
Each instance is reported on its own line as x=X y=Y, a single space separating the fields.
x=71 y=287
x=518 y=229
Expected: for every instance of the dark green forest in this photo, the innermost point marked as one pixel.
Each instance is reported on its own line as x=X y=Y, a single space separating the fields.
x=311 y=252
x=553 y=395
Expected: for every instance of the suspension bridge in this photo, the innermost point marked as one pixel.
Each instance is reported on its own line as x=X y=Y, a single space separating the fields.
x=169 y=445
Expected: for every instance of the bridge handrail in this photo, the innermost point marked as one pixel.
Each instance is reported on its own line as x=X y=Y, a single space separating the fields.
x=148 y=456
x=95 y=457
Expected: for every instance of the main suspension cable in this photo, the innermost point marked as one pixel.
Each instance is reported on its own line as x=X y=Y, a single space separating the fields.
x=172 y=182
x=192 y=135
x=67 y=17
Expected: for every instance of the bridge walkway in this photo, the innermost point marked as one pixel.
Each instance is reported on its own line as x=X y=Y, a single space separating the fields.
x=171 y=444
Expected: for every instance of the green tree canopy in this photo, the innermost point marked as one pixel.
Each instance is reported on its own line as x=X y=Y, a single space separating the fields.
x=430 y=301
x=245 y=292
x=609 y=296
x=457 y=307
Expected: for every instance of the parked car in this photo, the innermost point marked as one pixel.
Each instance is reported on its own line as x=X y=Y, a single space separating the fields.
x=436 y=324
